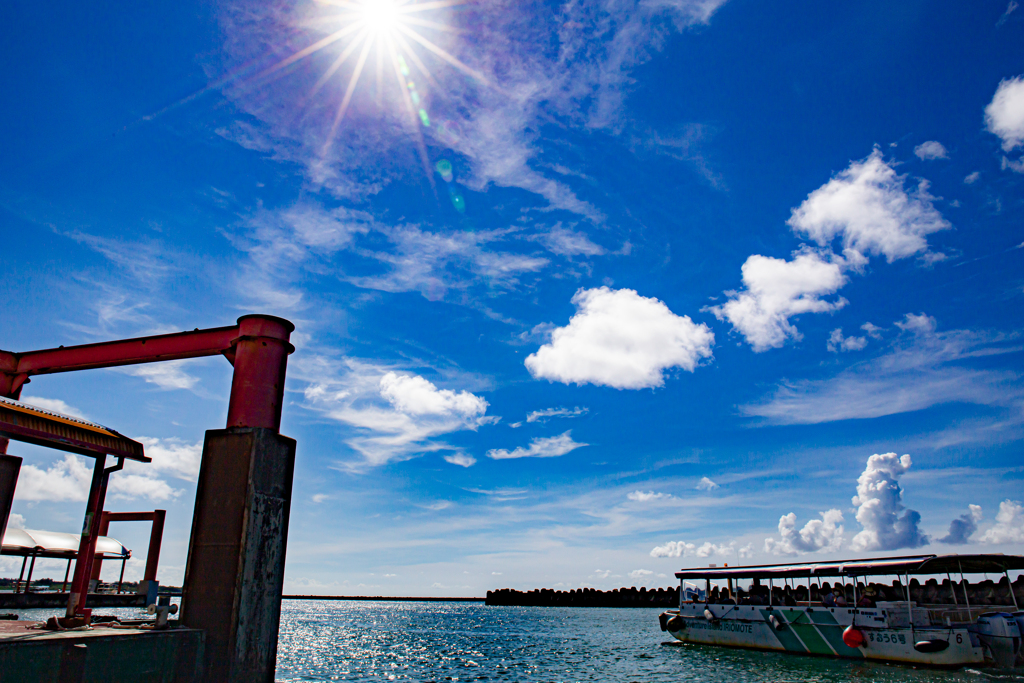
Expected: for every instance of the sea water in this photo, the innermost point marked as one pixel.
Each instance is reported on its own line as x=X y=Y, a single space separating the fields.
x=425 y=641
x=450 y=641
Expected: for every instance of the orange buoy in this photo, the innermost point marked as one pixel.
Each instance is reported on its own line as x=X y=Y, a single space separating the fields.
x=853 y=637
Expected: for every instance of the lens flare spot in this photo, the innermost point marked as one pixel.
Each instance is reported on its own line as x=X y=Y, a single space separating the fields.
x=457 y=200
x=444 y=167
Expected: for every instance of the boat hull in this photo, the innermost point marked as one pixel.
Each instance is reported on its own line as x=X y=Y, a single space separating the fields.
x=819 y=631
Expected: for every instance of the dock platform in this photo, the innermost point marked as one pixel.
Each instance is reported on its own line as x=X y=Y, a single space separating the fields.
x=102 y=653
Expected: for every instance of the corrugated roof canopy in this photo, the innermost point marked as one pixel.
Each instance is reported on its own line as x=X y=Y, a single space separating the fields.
x=914 y=565
x=23 y=422
x=57 y=544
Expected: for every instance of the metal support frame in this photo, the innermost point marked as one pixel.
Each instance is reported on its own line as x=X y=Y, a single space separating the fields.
x=156 y=535
x=90 y=532
x=258 y=348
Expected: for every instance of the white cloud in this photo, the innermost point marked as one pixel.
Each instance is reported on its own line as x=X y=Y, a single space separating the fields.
x=547 y=413
x=708 y=549
x=873 y=331
x=776 y=290
x=922 y=369
x=620 y=339
x=1009 y=526
x=674 y=549
x=166 y=375
x=14 y=521
x=320 y=498
x=837 y=342
x=1004 y=115
x=460 y=459
x=646 y=496
x=961 y=528
x=637 y=574
x=932 y=149
x=414 y=395
x=602 y=573
x=879 y=504
x=54 y=405
x=178 y=457
x=568 y=242
x=396 y=416
x=706 y=484
x=971 y=178
x=746 y=551
x=869 y=208
x=65 y=480
x=544 y=447
x=825 y=534
x=68 y=480
x=126 y=486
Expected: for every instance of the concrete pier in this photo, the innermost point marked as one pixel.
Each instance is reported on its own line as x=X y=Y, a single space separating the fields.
x=101 y=654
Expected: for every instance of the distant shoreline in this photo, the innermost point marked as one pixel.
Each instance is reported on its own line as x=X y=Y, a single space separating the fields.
x=381 y=598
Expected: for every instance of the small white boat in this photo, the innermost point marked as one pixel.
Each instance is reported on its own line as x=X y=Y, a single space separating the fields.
x=794 y=608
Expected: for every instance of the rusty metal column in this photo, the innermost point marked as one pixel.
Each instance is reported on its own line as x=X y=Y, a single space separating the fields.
x=156 y=537
x=8 y=373
x=87 y=545
x=235 y=572
x=10 y=466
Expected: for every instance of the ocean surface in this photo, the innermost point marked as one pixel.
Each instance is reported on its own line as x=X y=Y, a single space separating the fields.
x=441 y=641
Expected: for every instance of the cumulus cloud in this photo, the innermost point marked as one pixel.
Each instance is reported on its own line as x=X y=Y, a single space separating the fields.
x=620 y=339
x=396 y=416
x=706 y=484
x=708 y=549
x=646 y=496
x=544 y=447
x=837 y=342
x=15 y=521
x=175 y=456
x=674 y=549
x=1009 y=526
x=68 y=480
x=460 y=459
x=776 y=290
x=1004 y=115
x=879 y=507
x=868 y=207
x=961 y=528
x=547 y=413
x=640 y=573
x=972 y=178
x=825 y=534
x=932 y=149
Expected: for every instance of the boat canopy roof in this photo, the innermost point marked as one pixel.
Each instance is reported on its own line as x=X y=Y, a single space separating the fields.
x=913 y=565
x=57 y=544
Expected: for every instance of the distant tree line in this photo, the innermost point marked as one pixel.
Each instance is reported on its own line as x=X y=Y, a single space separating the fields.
x=586 y=597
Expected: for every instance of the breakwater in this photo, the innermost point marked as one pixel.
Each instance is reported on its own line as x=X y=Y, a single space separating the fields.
x=586 y=597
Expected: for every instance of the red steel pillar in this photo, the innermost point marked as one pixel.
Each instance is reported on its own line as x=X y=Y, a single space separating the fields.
x=235 y=572
x=90 y=532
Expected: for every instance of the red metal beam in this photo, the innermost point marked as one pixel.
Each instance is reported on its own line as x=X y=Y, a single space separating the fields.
x=258 y=348
x=156 y=536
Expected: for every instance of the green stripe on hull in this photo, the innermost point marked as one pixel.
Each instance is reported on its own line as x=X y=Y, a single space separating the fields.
x=807 y=632
x=786 y=636
x=832 y=631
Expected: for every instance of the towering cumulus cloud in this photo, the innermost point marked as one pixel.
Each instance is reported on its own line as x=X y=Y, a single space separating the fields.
x=879 y=503
x=1004 y=116
x=620 y=339
x=818 y=534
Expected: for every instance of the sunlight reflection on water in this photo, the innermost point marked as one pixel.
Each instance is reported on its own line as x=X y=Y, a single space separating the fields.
x=350 y=641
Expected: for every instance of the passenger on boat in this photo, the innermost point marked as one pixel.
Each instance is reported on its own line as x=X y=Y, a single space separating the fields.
x=829 y=600
x=867 y=599
x=840 y=596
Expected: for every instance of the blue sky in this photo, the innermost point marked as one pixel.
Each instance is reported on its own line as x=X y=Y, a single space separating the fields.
x=584 y=292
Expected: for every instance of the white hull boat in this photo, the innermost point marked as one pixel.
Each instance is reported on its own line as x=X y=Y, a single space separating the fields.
x=952 y=633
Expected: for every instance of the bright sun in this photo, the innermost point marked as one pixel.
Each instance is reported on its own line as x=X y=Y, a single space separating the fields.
x=381 y=16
